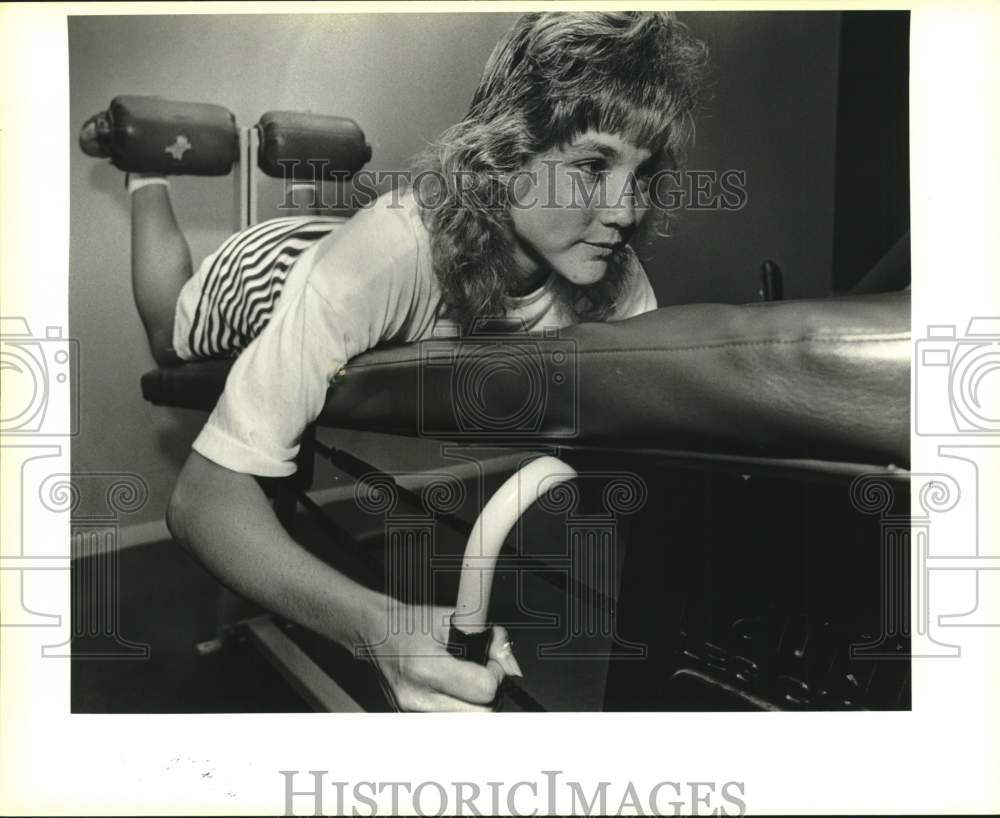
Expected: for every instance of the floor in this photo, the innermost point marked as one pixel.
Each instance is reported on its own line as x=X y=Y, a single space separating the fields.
x=168 y=603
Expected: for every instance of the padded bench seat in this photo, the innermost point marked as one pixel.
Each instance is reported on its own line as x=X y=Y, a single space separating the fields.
x=825 y=380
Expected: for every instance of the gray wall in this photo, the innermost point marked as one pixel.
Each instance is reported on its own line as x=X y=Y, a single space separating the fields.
x=404 y=78
x=772 y=113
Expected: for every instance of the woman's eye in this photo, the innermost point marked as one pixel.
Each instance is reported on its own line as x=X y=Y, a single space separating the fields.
x=592 y=168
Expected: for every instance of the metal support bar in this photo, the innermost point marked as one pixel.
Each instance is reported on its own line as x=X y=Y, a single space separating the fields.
x=310 y=681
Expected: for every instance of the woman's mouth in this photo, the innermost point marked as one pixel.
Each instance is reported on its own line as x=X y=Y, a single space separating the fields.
x=604 y=248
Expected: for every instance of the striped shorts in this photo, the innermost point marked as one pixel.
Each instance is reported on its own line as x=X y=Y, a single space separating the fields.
x=232 y=296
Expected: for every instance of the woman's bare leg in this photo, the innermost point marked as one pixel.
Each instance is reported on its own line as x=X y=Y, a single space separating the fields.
x=161 y=265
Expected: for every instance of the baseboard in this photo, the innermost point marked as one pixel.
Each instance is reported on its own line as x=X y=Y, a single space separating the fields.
x=89 y=540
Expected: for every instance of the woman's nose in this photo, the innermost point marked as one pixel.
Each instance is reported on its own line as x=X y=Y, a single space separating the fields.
x=621 y=210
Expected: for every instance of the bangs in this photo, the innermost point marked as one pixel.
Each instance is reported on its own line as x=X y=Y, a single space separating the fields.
x=662 y=128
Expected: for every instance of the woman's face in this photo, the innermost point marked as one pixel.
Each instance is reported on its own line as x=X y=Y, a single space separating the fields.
x=574 y=206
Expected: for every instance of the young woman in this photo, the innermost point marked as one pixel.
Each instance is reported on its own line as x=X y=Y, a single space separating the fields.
x=524 y=209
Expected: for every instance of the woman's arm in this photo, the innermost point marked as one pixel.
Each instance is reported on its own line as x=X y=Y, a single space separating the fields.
x=225 y=520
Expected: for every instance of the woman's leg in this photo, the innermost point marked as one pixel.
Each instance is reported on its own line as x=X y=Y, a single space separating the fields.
x=161 y=265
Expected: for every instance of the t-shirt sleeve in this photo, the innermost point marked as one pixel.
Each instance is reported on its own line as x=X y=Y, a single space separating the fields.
x=356 y=294
x=638 y=297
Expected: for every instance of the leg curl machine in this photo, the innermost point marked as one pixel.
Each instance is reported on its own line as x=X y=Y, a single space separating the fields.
x=725 y=480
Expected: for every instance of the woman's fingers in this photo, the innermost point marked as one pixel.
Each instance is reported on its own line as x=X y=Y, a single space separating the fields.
x=469 y=682
x=426 y=701
x=439 y=681
x=502 y=652
x=460 y=679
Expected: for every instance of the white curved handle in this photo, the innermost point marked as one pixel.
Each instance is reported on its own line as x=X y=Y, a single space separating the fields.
x=498 y=517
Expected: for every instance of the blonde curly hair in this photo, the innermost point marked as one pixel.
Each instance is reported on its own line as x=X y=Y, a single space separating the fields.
x=552 y=77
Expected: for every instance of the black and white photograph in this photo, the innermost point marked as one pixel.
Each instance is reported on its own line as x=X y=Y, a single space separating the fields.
x=553 y=368
x=648 y=270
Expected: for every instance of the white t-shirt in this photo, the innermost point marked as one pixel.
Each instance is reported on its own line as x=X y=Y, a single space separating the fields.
x=371 y=282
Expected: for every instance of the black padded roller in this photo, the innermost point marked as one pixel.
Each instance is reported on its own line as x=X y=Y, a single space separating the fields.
x=156 y=135
x=310 y=146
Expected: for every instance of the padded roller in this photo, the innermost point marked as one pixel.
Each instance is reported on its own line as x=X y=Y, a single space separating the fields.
x=156 y=135
x=310 y=146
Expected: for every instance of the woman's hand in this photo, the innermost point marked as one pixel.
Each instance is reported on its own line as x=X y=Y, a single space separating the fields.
x=417 y=672
x=225 y=520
